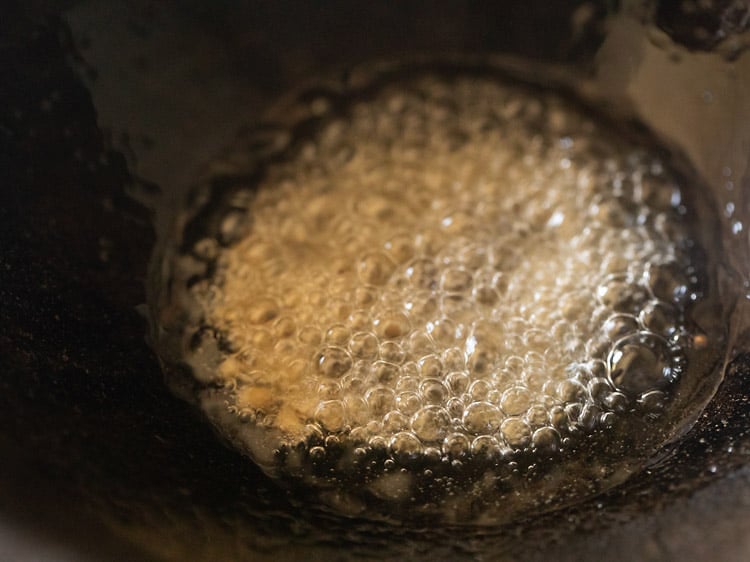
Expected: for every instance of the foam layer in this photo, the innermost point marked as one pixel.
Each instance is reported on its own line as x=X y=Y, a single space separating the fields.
x=447 y=269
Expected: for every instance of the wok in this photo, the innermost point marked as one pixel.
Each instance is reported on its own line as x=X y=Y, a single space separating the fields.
x=110 y=112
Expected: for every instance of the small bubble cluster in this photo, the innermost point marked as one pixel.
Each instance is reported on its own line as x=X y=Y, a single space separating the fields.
x=450 y=269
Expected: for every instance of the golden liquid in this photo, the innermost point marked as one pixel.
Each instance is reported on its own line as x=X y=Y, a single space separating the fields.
x=447 y=276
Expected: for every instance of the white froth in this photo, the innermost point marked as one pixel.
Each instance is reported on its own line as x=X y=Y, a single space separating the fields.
x=451 y=267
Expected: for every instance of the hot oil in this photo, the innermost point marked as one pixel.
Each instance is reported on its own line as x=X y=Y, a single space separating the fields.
x=448 y=296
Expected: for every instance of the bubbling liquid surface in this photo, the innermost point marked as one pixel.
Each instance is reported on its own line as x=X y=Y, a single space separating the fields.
x=441 y=294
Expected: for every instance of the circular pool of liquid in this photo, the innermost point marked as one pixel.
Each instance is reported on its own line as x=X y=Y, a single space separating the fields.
x=446 y=296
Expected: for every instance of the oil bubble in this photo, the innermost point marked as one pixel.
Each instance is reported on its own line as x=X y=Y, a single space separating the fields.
x=430 y=423
x=641 y=363
x=333 y=361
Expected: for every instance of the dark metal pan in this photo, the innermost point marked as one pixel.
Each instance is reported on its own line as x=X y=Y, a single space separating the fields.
x=109 y=111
